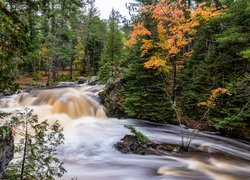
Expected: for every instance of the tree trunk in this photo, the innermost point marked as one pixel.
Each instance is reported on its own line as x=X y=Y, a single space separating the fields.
x=25 y=148
x=31 y=24
x=45 y=18
x=72 y=59
x=174 y=81
x=48 y=75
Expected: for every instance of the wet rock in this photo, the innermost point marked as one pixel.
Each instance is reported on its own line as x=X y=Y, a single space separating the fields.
x=113 y=98
x=28 y=90
x=6 y=148
x=81 y=80
x=93 y=80
x=8 y=92
x=66 y=84
x=165 y=148
x=130 y=144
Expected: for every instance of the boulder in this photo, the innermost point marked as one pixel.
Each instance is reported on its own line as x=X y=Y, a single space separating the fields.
x=130 y=144
x=80 y=80
x=113 y=98
x=93 y=80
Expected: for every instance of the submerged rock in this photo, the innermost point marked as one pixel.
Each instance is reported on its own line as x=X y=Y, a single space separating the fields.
x=66 y=84
x=6 y=148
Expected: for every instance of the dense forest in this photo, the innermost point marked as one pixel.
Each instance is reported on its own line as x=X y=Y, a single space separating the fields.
x=182 y=62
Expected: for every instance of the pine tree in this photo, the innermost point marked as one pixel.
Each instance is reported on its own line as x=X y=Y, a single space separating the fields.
x=112 y=55
x=145 y=96
x=36 y=149
x=220 y=59
x=94 y=35
x=144 y=89
x=13 y=45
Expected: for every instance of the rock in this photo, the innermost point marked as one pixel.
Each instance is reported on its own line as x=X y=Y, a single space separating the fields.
x=8 y=92
x=6 y=148
x=113 y=98
x=93 y=80
x=130 y=144
x=81 y=80
x=66 y=84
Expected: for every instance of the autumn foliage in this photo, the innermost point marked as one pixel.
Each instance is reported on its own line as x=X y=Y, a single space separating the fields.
x=176 y=27
x=215 y=94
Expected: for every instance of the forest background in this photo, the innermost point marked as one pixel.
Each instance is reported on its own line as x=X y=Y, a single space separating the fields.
x=183 y=60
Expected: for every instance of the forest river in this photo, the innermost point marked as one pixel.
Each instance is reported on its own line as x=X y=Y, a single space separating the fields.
x=88 y=151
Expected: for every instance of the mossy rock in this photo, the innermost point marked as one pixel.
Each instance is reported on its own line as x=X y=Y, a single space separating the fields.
x=113 y=98
x=129 y=144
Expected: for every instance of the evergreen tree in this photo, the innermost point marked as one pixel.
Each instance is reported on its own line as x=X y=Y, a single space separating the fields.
x=36 y=149
x=112 y=55
x=221 y=59
x=144 y=90
x=13 y=45
x=94 y=35
x=54 y=27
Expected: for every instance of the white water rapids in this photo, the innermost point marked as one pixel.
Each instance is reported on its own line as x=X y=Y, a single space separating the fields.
x=88 y=151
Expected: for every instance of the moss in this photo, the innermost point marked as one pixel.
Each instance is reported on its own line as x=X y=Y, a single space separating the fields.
x=113 y=99
x=168 y=148
x=139 y=136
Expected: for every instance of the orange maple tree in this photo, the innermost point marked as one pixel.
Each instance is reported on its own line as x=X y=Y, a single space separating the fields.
x=215 y=94
x=176 y=27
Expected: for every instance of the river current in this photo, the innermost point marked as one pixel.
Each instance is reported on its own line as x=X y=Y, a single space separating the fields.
x=88 y=152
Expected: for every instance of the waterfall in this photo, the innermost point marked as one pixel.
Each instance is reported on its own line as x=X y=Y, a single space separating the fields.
x=71 y=102
x=88 y=152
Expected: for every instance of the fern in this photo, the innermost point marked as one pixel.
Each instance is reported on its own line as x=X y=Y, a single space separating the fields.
x=139 y=136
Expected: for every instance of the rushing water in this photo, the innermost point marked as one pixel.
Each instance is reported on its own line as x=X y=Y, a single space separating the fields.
x=88 y=151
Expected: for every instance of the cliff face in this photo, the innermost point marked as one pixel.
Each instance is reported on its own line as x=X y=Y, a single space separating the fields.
x=6 y=148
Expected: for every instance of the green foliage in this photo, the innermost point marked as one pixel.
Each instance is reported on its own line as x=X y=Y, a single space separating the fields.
x=234 y=110
x=144 y=92
x=12 y=46
x=220 y=59
x=66 y=78
x=245 y=53
x=36 y=149
x=56 y=35
x=139 y=136
x=94 y=36
x=37 y=75
x=112 y=55
x=3 y=114
x=4 y=132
